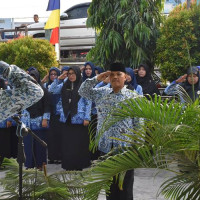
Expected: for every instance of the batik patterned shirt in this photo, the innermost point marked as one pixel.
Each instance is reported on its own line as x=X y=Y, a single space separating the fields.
x=23 y=94
x=34 y=123
x=105 y=99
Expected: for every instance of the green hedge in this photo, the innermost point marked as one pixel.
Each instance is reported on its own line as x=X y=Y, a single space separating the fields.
x=179 y=42
x=25 y=52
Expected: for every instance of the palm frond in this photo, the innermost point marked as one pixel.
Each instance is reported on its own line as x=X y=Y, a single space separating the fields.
x=45 y=187
x=185 y=185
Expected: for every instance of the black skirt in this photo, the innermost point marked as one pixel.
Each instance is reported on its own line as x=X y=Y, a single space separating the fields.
x=75 y=146
x=54 y=138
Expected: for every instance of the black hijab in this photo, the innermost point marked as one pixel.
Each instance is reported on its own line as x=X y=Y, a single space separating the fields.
x=69 y=93
x=188 y=87
x=42 y=106
x=147 y=82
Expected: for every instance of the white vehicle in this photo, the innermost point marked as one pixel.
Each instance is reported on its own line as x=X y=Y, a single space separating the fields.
x=73 y=38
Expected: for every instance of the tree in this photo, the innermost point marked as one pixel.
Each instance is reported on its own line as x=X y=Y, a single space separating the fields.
x=179 y=40
x=126 y=30
x=26 y=52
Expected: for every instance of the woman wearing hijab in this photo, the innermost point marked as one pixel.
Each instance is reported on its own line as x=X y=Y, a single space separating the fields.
x=54 y=152
x=88 y=71
x=131 y=81
x=54 y=136
x=4 y=133
x=75 y=116
x=37 y=119
x=145 y=79
x=187 y=81
x=54 y=72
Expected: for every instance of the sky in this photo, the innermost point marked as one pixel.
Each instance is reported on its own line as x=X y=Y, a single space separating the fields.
x=23 y=10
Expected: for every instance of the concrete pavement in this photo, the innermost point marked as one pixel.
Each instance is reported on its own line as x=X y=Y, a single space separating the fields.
x=146 y=184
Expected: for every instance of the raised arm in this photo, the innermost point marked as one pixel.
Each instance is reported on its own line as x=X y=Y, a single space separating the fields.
x=173 y=87
x=87 y=89
x=25 y=92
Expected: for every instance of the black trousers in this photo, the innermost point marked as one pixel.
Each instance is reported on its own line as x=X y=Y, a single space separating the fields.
x=127 y=192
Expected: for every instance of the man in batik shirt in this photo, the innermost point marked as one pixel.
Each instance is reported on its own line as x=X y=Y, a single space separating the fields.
x=105 y=99
x=24 y=93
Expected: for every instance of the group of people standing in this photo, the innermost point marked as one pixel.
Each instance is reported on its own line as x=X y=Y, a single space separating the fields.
x=62 y=116
x=72 y=99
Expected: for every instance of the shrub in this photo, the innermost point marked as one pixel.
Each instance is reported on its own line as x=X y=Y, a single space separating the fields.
x=25 y=52
x=178 y=44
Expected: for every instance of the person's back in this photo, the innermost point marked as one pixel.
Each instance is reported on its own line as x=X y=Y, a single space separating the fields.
x=25 y=91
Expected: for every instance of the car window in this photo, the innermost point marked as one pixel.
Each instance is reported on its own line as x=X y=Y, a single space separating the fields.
x=76 y=13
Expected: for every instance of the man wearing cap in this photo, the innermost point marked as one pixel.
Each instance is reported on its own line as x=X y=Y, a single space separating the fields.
x=105 y=99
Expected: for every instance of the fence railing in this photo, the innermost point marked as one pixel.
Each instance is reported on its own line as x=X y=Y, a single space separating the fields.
x=26 y=29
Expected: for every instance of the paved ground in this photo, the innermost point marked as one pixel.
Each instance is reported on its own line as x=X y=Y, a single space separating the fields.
x=146 y=184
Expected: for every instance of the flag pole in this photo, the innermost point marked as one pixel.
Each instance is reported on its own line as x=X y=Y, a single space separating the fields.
x=57 y=45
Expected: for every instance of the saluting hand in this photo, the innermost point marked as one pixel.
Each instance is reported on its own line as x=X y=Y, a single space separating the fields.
x=181 y=79
x=103 y=76
x=107 y=80
x=45 y=79
x=63 y=75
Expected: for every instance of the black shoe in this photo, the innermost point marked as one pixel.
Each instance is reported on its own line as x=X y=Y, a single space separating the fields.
x=58 y=162
x=51 y=162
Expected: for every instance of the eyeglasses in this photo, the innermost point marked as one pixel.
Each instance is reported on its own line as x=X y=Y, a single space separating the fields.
x=71 y=74
x=53 y=74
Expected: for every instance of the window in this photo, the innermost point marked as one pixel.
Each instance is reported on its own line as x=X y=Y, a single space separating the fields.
x=76 y=13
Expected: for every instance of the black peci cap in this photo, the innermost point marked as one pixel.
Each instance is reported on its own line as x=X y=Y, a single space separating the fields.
x=117 y=67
